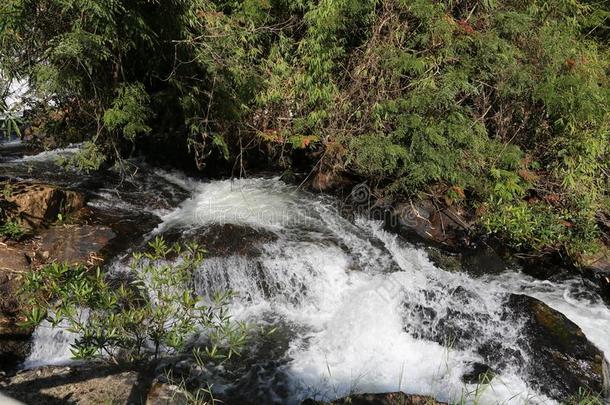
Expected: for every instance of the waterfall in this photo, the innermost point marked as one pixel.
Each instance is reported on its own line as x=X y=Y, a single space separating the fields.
x=358 y=309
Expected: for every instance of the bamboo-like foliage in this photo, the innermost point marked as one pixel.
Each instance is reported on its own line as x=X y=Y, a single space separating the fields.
x=502 y=103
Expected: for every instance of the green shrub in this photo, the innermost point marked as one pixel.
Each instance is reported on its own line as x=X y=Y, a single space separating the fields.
x=505 y=100
x=11 y=229
x=153 y=313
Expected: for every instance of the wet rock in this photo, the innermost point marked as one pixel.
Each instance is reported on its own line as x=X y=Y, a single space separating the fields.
x=393 y=398
x=14 y=340
x=15 y=150
x=597 y=267
x=92 y=384
x=445 y=260
x=74 y=244
x=482 y=261
x=561 y=359
x=129 y=227
x=227 y=239
x=38 y=205
x=479 y=373
x=440 y=224
x=329 y=180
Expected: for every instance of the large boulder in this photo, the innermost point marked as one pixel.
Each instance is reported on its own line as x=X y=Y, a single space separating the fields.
x=555 y=356
x=392 y=398
x=561 y=359
x=38 y=205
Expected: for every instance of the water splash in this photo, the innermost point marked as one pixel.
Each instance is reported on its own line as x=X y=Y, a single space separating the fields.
x=50 y=346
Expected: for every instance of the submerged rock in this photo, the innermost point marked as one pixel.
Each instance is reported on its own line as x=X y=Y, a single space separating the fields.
x=392 y=398
x=478 y=373
x=561 y=359
x=74 y=244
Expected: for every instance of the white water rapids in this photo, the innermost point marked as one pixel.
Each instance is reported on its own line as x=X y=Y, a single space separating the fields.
x=362 y=308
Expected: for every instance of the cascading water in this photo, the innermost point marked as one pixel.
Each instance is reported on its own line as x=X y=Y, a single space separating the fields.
x=357 y=309
x=366 y=311
x=50 y=345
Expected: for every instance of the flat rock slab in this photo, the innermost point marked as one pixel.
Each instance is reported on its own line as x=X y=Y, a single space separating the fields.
x=74 y=244
x=13 y=259
x=67 y=385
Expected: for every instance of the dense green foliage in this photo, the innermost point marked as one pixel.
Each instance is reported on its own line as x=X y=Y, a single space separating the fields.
x=500 y=105
x=11 y=229
x=154 y=313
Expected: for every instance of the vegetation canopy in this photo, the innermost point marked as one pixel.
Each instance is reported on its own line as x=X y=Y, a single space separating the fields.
x=502 y=106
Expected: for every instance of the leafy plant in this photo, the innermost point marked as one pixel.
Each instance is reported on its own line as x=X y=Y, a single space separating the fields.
x=153 y=313
x=11 y=229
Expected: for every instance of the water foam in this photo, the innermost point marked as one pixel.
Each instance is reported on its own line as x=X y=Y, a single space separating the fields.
x=253 y=202
x=51 y=155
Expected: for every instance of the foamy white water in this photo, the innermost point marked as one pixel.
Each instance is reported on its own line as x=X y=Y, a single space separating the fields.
x=262 y=203
x=359 y=297
x=50 y=346
x=363 y=310
x=51 y=155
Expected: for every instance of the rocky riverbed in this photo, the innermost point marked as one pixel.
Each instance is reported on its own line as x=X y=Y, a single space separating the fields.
x=356 y=307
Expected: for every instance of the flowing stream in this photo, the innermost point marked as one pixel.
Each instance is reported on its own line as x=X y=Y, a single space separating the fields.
x=357 y=309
